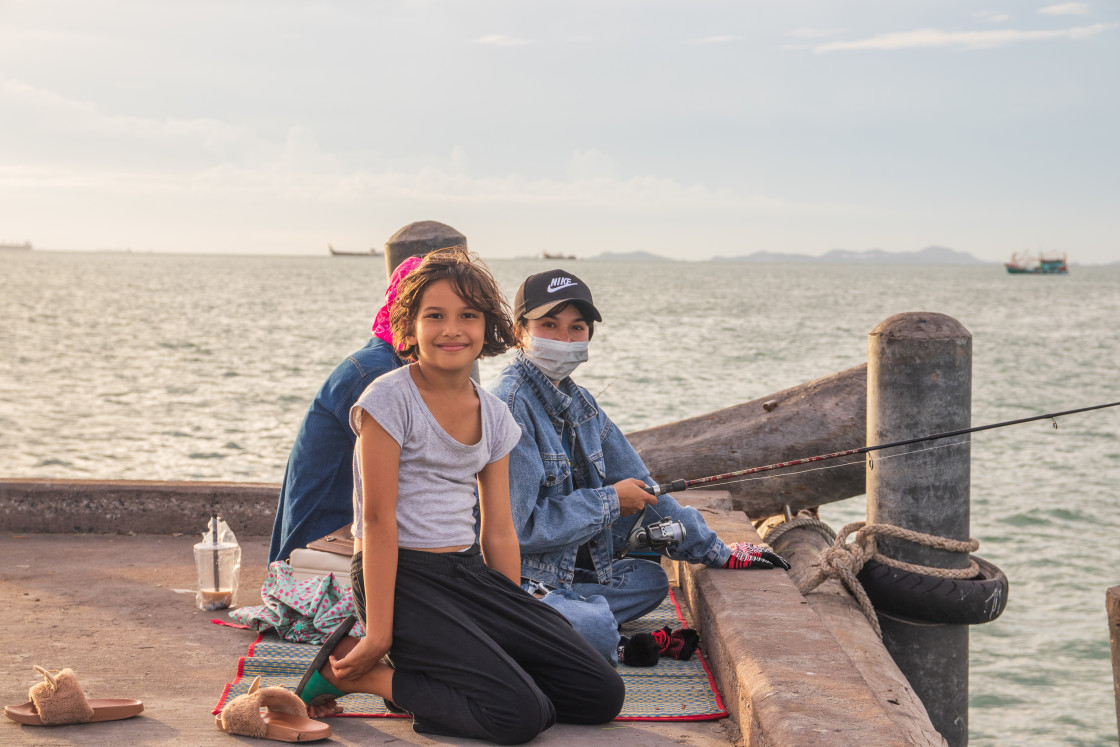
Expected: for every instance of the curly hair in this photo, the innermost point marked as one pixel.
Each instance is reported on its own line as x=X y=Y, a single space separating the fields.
x=472 y=282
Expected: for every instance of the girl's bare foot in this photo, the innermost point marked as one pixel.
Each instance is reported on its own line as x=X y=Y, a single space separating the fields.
x=327 y=708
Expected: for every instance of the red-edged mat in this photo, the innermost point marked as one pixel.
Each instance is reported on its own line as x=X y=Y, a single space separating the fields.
x=671 y=691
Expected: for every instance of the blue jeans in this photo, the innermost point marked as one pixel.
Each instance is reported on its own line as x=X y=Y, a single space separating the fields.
x=596 y=610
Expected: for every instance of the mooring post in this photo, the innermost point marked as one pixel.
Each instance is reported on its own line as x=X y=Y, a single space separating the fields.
x=1112 y=604
x=417 y=239
x=919 y=381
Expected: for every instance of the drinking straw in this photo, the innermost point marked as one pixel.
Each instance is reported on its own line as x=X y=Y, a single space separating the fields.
x=214 y=524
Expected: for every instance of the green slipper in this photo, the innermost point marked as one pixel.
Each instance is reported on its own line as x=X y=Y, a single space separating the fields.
x=318 y=690
x=314 y=686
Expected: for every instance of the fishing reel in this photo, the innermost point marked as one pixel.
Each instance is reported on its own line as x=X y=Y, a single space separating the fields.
x=664 y=534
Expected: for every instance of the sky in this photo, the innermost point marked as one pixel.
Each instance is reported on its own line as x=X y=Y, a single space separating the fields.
x=688 y=129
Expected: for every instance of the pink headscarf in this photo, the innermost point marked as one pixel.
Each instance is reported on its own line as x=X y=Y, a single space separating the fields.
x=381 y=327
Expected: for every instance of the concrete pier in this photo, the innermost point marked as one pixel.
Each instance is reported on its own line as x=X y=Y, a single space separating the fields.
x=782 y=675
x=120 y=611
x=919 y=382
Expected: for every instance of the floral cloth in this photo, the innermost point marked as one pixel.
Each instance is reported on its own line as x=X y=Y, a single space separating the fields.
x=299 y=611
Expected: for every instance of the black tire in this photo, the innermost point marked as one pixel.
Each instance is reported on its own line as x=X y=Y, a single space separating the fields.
x=937 y=600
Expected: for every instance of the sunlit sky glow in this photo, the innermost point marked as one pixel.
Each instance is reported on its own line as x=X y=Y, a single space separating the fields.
x=688 y=129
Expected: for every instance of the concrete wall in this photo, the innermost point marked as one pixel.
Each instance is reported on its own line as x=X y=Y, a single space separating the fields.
x=135 y=506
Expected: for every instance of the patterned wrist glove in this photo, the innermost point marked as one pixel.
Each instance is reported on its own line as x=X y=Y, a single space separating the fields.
x=679 y=644
x=746 y=555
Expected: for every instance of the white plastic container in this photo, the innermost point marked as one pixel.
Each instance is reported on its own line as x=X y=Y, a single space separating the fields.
x=218 y=560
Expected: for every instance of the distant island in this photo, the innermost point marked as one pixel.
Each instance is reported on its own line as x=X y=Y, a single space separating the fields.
x=631 y=257
x=931 y=255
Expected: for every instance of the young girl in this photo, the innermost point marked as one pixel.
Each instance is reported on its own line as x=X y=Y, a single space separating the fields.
x=471 y=653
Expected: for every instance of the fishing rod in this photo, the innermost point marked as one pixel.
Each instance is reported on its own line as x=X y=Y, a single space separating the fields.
x=678 y=485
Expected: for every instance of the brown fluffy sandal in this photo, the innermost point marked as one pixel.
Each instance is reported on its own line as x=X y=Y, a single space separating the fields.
x=59 y=700
x=285 y=720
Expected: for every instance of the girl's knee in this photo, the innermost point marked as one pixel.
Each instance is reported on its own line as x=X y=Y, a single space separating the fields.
x=519 y=722
x=612 y=694
x=604 y=701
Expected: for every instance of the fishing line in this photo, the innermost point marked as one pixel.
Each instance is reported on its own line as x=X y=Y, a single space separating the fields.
x=608 y=386
x=679 y=485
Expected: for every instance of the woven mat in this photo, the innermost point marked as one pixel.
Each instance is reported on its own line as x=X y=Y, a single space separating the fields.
x=671 y=691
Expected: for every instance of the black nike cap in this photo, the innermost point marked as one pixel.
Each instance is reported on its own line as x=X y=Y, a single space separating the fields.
x=543 y=292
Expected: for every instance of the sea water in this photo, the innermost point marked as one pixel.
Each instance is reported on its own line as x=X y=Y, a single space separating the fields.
x=172 y=367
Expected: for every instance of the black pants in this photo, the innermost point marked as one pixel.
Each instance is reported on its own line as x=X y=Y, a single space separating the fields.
x=476 y=656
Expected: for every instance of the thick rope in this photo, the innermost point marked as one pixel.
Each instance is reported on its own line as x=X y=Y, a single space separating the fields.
x=800 y=521
x=845 y=559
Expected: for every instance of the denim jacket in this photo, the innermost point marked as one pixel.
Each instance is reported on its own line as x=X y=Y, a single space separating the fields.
x=317 y=495
x=558 y=506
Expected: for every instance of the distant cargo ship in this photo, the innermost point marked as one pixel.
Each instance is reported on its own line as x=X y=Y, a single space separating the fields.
x=1027 y=264
x=24 y=247
x=337 y=253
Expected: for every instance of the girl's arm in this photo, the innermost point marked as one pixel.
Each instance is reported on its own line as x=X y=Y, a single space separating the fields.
x=380 y=463
x=496 y=535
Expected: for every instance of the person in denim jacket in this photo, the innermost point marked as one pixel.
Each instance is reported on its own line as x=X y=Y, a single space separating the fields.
x=576 y=483
x=316 y=496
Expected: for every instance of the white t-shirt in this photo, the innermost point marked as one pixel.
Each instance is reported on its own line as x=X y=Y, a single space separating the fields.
x=438 y=475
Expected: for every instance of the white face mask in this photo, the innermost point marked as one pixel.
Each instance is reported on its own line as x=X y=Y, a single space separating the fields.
x=556 y=359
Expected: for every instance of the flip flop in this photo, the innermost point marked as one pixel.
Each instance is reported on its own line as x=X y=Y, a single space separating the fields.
x=314 y=688
x=59 y=700
x=285 y=720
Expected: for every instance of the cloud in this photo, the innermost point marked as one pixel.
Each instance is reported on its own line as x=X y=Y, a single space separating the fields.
x=1065 y=9
x=501 y=40
x=991 y=16
x=71 y=115
x=937 y=39
x=592 y=184
x=241 y=164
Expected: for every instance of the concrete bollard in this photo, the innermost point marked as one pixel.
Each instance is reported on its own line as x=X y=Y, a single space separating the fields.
x=1112 y=604
x=919 y=381
x=417 y=239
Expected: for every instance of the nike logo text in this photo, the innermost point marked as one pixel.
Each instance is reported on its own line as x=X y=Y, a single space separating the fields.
x=559 y=284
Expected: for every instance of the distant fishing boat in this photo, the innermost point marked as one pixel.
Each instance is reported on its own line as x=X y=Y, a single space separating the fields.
x=336 y=253
x=548 y=255
x=24 y=247
x=1043 y=264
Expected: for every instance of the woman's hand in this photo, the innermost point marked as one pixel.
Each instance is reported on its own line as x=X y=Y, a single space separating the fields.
x=632 y=496
x=362 y=658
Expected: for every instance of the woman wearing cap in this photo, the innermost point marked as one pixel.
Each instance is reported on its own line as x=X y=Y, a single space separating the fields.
x=576 y=484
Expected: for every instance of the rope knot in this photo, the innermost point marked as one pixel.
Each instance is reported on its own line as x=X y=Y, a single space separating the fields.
x=843 y=560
